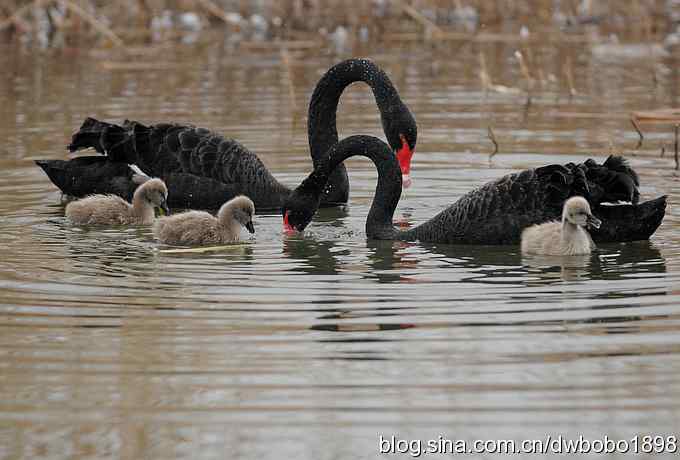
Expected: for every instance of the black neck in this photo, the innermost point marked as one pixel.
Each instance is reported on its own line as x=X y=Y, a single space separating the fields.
x=387 y=192
x=321 y=125
x=323 y=106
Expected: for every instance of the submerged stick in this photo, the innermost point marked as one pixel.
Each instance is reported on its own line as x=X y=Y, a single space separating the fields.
x=657 y=116
x=483 y=74
x=285 y=60
x=487 y=83
x=570 y=77
x=493 y=139
x=524 y=68
x=637 y=128
x=677 y=165
x=527 y=76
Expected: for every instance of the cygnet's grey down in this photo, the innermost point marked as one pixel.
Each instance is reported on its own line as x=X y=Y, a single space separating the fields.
x=565 y=238
x=113 y=210
x=201 y=228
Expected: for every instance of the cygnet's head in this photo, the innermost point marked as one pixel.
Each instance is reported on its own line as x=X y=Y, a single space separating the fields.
x=241 y=209
x=577 y=211
x=155 y=192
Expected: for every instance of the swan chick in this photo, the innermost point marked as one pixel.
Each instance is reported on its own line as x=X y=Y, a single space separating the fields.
x=114 y=210
x=201 y=228
x=565 y=238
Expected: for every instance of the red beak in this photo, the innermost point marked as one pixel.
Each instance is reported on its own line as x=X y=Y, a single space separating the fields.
x=404 y=155
x=287 y=228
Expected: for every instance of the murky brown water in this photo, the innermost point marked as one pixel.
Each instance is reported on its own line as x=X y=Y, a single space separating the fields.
x=313 y=346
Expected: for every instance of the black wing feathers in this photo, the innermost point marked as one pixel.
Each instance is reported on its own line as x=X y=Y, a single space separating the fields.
x=497 y=212
x=164 y=149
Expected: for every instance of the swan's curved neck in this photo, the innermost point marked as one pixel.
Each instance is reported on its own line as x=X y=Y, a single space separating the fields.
x=321 y=125
x=387 y=192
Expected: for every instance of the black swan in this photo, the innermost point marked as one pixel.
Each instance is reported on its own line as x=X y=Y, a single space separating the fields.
x=495 y=213
x=202 y=169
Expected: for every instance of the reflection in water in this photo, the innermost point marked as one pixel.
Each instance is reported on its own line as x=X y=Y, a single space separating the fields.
x=388 y=260
x=608 y=262
x=107 y=253
x=556 y=268
x=311 y=256
x=316 y=343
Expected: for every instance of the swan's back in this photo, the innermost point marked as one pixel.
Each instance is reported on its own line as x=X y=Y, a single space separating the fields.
x=497 y=212
x=494 y=213
x=100 y=210
x=90 y=175
x=165 y=149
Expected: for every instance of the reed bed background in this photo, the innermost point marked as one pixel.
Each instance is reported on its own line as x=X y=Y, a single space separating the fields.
x=121 y=23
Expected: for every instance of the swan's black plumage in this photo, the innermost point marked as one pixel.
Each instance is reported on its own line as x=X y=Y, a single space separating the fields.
x=497 y=212
x=93 y=174
x=184 y=155
x=395 y=117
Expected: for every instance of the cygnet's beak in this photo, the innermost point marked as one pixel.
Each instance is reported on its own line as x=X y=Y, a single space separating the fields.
x=404 y=155
x=593 y=221
x=250 y=227
x=164 y=207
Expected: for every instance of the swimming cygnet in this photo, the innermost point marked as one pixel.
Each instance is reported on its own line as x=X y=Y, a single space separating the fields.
x=201 y=228
x=565 y=238
x=113 y=210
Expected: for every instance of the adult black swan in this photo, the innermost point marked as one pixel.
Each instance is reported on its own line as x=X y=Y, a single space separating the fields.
x=202 y=169
x=495 y=213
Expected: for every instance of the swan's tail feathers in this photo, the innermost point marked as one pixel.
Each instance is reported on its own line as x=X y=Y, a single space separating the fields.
x=139 y=135
x=620 y=164
x=117 y=142
x=629 y=222
x=89 y=135
x=612 y=181
x=89 y=175
x=57 y=171
x=46 y=165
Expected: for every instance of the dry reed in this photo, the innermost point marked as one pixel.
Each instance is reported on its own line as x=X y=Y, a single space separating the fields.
x=126 y=22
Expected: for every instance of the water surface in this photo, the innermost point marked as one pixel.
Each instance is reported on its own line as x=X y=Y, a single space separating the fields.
x=313 y=346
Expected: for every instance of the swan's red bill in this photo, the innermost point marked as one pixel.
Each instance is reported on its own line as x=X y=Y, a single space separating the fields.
x=404 y=155
x=287 y=228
